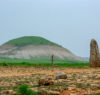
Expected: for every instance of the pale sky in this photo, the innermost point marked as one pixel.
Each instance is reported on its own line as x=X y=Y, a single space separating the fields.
x=70 y=23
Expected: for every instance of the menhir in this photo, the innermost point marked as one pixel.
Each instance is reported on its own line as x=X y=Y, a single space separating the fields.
x=94 y=54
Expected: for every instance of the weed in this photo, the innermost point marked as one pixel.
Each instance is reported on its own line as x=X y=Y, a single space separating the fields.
x=79 y=85
x=25 y=90
x=5 y=63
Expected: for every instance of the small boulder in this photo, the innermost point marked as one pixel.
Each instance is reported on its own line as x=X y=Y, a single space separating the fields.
x=9 y=91
x=45 y=81
x=61 y=75
x=42 y=93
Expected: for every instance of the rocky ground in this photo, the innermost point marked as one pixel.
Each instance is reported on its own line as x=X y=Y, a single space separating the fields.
x=79 y=81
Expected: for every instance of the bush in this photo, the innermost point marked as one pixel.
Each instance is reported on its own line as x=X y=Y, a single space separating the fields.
x=25 y=90
x=5 y=64
x=97 y=94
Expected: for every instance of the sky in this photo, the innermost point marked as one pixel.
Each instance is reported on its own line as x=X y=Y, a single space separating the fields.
x=70 y=23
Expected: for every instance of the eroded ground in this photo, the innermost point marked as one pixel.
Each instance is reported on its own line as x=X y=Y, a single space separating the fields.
x=80 y=81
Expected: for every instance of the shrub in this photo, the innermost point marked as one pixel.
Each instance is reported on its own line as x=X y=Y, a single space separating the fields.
x=5 y=64
x=97 y=94
x=25 y=90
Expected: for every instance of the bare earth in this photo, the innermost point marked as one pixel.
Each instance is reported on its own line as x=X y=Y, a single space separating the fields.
x=80 y=81
x=33 y=51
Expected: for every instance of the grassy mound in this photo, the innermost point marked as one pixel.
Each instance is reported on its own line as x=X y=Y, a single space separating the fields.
x=30 y=40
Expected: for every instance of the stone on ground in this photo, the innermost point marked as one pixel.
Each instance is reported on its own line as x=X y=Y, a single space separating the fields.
x=61 y=75
x=45 y=81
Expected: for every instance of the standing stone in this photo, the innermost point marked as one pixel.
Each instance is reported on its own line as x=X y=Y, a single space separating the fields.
x=94 y=54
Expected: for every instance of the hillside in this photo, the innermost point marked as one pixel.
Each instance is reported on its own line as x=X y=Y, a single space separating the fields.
x=37 y=48
x=30 y=40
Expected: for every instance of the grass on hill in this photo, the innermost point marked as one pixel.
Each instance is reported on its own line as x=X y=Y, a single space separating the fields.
x=40 y=60
x=30 y=40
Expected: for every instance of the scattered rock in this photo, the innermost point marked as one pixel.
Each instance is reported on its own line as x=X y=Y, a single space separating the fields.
x=72 y=87
x=9 y=91
x=61 y=75
x=42 y=93
x=46 y=81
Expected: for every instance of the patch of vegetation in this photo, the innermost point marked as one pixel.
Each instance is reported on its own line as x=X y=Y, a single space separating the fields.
x=5 y=64
x=88 y=85
x=79 y=85
x=30 y=40
x=41 y=60
x=97 y=94
x=75 y=65
x=39 y=63
x=59 y=84
x=25 y=90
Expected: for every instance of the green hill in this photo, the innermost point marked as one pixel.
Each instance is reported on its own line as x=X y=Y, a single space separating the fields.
x=30 y=40
x=37 y=48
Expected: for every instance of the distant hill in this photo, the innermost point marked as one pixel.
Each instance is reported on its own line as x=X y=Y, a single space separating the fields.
x=30 y=40
x=37 y=48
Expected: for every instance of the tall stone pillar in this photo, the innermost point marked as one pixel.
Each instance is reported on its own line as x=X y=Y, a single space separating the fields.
x=94 y=54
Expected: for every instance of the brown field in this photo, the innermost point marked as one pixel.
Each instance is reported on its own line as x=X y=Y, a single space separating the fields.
x=80 y=81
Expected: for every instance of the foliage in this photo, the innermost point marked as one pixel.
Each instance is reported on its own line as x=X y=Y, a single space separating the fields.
x=25 y=90
x=5 y=64
x=80 y=85
x=72 y=65
x=97 y=94
x=29 y=40
x=40 y=62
